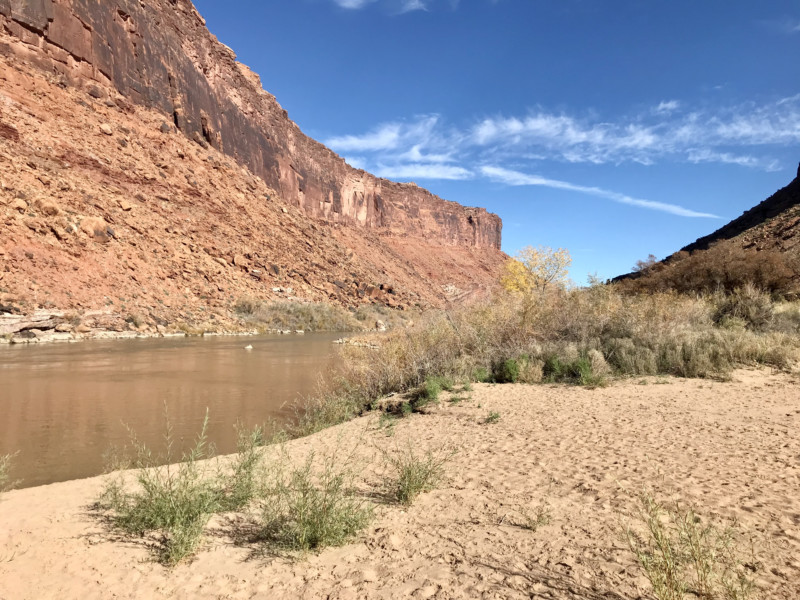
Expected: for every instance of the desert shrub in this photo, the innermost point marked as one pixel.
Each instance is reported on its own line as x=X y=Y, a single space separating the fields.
x=725 y=266
x=243 y=482
x=5 y=468
x=428 y=392
x=481 y=375
x=748 y=305
x=625 y=356
x=176 y=499
x=412 y=473
x=580 y=336
x=506 y=371
x=531 y=370
x=786 y=318
x=578 y=371
x=308 y=510
x=310 y=316
x=680 y=554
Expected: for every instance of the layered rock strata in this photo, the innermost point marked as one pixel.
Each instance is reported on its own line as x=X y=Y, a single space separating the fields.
x=159 y=54
x=118 y=223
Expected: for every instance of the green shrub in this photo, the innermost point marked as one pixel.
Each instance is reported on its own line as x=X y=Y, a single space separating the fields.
x=243 y=483
x=506 y=371
x=579 y=371
x=680 y=554
x=176 y=500
x=429 y=392
x=412 y=474
x=493 y=417
x=306 y=511
x=481 y=375
x=5 y=468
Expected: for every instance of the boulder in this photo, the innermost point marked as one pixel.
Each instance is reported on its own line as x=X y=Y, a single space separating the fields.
x=97 y=229
x=105 y=129
x=50 y=209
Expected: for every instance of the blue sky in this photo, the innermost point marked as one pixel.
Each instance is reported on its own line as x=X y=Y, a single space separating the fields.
x=614 y=128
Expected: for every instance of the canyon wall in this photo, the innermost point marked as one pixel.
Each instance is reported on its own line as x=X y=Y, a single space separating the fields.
x=159 y=54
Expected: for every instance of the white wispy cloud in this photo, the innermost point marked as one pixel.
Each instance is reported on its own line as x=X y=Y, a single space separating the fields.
x=516 y=178
x=353 y=4
x=644 y=138
x=409 y=5
x=790 y=26
x=398 y=6
x=416 y=133
x=384 y=137
x=426 y=147
x=668 y=106
x=413 y=171
x=705 y=155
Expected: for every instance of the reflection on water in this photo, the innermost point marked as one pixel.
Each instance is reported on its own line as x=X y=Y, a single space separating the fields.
x=64 y=406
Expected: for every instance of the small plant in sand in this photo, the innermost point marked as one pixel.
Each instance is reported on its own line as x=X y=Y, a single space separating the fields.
x=534 y=518
x=306 y=508
x=429 y=392
x=412 y=473
x=5 y=467
x=493 y=417
x=681 y=555
x=244 y=481
x=177 y=500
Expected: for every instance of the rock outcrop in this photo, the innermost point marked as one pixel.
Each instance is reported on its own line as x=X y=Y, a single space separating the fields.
x=106 y=208
x=775 y=221
x=159 y=54
x=773 y=224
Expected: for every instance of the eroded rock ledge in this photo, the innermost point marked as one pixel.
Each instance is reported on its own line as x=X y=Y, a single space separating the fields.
x=159 y=54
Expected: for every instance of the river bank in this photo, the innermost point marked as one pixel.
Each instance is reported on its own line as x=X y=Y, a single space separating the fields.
x=49 y=326
x=583 y=456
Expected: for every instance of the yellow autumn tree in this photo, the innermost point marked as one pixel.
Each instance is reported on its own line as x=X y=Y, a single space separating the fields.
x=536 y=269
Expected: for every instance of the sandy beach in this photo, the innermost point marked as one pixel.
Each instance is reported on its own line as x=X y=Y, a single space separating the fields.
x=731 y=449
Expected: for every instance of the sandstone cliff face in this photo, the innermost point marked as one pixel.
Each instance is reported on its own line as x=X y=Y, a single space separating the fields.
x=159 y=54
x=111 y=219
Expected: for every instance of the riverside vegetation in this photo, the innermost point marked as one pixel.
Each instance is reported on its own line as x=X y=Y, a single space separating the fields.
x=584 y=336
x=5 y=467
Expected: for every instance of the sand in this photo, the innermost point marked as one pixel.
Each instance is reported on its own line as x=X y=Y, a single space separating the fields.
x=730 y=448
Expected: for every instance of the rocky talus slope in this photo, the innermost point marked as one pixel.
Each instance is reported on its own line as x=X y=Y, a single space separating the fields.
x=771 y=224
x=147 y=180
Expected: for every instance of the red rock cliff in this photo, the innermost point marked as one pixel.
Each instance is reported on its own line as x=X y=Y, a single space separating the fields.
x=159 y=54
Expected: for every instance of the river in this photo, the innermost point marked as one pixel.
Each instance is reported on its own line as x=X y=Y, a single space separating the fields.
x=64 y=406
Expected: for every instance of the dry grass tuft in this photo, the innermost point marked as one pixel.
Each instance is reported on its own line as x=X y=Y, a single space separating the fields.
x=412 y=473
x=682 y=556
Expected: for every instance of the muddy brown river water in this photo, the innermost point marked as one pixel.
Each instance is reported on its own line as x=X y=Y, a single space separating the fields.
x=63 y=406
